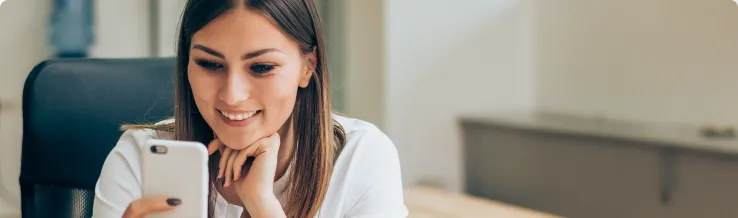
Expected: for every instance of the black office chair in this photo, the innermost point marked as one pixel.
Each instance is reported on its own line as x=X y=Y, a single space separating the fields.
x=72 y=112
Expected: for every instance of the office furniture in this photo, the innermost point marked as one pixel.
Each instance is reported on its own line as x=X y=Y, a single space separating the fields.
x=72 y=112
x=592 y=167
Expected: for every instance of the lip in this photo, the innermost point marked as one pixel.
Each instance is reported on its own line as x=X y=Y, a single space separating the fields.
x=239 y=123
x=235 y=111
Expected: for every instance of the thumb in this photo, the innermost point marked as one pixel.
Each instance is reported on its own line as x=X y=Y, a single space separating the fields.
x=214 y=146
x=149 y=205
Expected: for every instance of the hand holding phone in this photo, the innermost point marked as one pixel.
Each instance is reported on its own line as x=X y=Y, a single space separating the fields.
x=150 y=205
x=174 y=171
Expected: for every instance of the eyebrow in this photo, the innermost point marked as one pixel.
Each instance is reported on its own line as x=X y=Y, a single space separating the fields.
x=246 y=56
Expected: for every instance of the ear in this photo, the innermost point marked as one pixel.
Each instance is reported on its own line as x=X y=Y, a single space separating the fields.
x=311 y=63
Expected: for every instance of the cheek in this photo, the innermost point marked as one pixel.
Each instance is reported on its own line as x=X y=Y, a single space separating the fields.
x=204 y=91
x=278 y=94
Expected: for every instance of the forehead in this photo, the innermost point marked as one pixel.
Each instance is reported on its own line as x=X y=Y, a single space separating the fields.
x=241 y=30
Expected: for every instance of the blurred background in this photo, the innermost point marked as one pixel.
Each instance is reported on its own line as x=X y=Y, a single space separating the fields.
x=580 y=108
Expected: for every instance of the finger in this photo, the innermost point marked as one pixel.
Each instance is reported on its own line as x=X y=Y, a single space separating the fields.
x=229 y=169
x=265 y=164
x=223 y=161
x=148 y=205
x=276 y=141
x=251 y=150
x=238 y=163
x=214 y=146
x=271 y=143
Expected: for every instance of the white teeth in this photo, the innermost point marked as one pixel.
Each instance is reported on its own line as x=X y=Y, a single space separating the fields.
x=240 y=116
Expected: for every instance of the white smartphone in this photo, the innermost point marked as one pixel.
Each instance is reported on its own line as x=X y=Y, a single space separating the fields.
x=176 y=169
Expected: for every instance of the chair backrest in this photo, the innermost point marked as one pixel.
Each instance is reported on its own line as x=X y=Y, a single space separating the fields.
x=72 y=113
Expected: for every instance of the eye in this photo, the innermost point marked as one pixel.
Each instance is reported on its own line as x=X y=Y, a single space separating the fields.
x=209 y=65
x=261 y=69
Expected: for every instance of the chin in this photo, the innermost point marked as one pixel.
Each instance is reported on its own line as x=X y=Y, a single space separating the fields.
x=237 y=141
x=236 y=144
x=238 y=147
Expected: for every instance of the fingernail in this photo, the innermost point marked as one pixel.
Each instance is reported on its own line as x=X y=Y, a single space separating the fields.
x=174 y=201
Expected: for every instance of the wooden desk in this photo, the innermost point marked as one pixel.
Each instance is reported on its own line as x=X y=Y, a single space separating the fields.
x=424 y=202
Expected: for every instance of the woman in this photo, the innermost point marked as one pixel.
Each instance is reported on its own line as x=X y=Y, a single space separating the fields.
x=252 y=83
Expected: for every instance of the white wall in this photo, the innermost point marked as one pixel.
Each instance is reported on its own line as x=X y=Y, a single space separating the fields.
x=121 y=32
x=121 y=29
x=655 y=60
x=444 y=58
x=22 y=46
x=334 y=19
x=364 y=81
x=170 y=12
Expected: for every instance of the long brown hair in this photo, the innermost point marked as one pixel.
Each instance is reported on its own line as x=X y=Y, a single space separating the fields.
x=319 y=136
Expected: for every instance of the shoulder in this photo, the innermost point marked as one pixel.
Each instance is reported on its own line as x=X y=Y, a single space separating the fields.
x=132 y=141
x=127 y=151
x=119 y=182
x=366 y=177
x=364 y=138
x=366 y=150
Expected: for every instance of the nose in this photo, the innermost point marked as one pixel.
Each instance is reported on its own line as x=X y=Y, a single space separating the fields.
x=235 y=89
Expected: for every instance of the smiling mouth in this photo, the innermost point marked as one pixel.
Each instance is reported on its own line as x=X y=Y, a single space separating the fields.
x=238 y=116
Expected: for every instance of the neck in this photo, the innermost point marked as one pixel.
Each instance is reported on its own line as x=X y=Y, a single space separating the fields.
x=286 y=149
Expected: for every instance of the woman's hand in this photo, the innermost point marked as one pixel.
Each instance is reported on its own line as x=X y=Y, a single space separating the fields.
x=255 y=188
x=150 y=205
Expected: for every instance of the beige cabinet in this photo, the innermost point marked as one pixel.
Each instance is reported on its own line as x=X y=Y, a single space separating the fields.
x=567 y=176
x=705 y=185
x=590 y=168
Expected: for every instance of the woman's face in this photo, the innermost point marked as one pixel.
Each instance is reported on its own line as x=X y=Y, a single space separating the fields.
x=245 y=73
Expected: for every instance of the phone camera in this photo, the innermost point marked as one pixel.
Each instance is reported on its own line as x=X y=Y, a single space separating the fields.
x=158 y=149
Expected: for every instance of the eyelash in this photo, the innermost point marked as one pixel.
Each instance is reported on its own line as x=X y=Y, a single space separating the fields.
x=258 y=69
x=261 y=69
x=208 y=65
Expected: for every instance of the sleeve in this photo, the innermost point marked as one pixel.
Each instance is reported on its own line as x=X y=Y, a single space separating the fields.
x=119 y=183
x=381 y=187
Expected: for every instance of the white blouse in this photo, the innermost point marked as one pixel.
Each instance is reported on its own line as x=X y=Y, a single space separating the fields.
x=365 y=183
